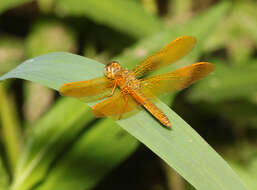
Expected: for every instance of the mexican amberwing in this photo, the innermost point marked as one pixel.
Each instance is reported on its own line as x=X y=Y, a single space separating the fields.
x=133 y=90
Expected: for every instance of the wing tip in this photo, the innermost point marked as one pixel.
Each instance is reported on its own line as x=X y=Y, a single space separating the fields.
x=62 y=90
x=208 y=65
x=65 y=90
x=192 y=38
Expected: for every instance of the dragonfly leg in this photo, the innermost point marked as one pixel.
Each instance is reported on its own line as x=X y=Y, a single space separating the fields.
x=124 y=107
x=113 y=89
x=112 y=92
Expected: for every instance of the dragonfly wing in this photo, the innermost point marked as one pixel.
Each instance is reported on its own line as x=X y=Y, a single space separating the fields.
x=89 y=90
x=176 y=80
x=115 y=105
x=174 y=51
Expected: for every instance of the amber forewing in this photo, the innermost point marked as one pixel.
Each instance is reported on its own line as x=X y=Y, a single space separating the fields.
x=114 y=106
x=176 y=80
x=89 y=90
x=174 y=51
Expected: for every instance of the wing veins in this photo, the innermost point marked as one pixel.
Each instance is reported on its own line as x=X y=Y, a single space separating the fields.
x=176 y=80
x=171 y=53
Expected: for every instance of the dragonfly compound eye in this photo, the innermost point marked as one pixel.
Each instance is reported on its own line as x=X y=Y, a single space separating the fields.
x=111 y=69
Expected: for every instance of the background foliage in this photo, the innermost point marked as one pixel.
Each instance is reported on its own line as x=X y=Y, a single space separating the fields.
x=49 y=142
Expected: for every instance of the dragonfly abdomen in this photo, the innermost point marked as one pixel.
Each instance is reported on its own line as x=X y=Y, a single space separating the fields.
x=151 y=107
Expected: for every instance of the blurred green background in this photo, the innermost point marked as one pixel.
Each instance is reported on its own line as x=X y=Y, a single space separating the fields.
x=221 y=108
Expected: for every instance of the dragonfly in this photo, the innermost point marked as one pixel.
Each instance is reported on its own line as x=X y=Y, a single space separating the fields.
x=124 y=90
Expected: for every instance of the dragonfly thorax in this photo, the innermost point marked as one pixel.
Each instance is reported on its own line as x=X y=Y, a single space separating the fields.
x=112 y=69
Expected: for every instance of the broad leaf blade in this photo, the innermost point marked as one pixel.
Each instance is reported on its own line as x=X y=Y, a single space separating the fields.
x=182 y=148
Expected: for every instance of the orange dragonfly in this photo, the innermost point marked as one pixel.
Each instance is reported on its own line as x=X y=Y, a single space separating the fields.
x=133 y=90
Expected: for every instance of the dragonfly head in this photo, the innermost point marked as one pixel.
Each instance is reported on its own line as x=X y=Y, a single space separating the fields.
x=112 y=69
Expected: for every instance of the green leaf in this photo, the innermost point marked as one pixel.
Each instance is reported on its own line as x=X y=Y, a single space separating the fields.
x=135 y=21
x=94 y=155
x=181 y=147
x=10 y=128
x=48 y=138
x=55 y=133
